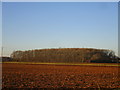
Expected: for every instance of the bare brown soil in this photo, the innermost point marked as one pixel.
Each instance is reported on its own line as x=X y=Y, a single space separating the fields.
x=59 y=76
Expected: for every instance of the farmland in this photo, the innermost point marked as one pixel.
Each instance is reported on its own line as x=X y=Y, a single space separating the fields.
x=17 y=75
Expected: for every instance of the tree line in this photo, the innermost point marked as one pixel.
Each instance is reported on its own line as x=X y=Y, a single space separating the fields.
x=66 y=55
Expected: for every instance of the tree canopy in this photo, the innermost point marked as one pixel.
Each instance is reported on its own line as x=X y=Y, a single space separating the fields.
x=66 y=55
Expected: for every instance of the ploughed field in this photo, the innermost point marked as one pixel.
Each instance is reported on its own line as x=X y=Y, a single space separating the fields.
x=16 y=75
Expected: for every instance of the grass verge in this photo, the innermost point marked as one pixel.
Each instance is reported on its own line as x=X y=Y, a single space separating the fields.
x=86 y=64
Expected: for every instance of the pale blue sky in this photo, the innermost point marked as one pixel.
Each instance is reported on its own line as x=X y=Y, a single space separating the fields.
x=53 y=25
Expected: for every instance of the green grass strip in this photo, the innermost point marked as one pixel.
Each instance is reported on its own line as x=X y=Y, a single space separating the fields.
x=86 y=64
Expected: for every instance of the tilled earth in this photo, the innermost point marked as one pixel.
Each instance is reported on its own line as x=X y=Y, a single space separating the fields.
x=59 y=76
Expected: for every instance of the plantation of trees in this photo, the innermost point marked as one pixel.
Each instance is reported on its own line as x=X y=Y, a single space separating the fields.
x=66 y=55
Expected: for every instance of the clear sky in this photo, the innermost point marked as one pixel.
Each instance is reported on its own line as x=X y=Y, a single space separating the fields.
x=53 y=25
